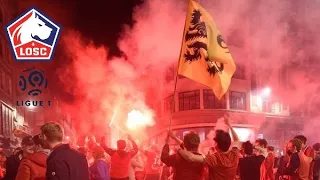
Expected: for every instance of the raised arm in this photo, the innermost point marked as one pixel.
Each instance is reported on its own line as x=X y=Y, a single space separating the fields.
x=165 y=156
x=233 y=133
x=105 y=147
x=174 y=137
x=135 y=163
x=135 y=149
x=236 y=141
x=262 y=151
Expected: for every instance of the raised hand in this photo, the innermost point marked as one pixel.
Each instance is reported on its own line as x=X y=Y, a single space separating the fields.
x=167 y=139
x=226 y=119
x=130 y=137
x=170 y=134
x=103 y=141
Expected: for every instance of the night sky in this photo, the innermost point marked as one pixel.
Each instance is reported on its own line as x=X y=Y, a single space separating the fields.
x=102 y=21
x=99 y=21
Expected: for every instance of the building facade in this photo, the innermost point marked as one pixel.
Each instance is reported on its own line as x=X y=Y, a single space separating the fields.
x=7 y=88
x=15 y=121
x=256 y=112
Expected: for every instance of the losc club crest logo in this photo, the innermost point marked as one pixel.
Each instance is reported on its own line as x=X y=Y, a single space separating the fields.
x=33 y=36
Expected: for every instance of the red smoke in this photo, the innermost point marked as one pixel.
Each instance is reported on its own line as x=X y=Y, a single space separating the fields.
x=100 y=85
x=135 y=81
x=263 y=35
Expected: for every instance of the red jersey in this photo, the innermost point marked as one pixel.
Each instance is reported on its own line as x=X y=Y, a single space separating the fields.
x=120 y=161
x=153 y=163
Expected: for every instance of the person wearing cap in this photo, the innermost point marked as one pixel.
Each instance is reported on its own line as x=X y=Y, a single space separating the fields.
x=63 y=163
x=33 y=167
x=13 y=161
x=121 y=159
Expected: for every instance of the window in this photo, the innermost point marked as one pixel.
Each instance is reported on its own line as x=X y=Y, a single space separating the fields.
x=240 y=72
x=6 y=121
x=2 y=82
x=0 y=79
x=168 y=104
x=211 y=102
x=237 y=100
x=1 y=17
x=9 y=90
x=1 y=50
x=189 y=100
x=266 y=106
x=254 y=82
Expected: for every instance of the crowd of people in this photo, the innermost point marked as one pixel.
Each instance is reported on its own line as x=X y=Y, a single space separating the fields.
x=46 y=157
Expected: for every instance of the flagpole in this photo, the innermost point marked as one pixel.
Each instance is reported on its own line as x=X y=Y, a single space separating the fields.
x=176 y=77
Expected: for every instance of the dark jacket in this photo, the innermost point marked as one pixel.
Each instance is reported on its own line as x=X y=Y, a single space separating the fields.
x=283 y=161
x=250 y=167
x=12 y=165
x=65 y=163
x=184 y=170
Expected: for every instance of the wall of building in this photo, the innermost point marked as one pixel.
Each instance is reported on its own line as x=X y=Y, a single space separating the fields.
x=7 y=88
x=250 y=102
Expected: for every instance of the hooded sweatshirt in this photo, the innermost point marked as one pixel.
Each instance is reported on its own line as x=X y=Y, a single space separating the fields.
x=33 y=167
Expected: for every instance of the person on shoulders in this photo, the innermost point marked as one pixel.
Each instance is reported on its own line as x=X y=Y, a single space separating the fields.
x=222 y=164
x=184 y=170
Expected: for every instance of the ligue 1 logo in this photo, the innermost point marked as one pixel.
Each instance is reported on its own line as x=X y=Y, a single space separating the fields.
x=33 y=36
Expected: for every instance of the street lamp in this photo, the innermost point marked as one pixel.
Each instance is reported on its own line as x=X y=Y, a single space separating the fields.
x=31 y=107
x=266 y=92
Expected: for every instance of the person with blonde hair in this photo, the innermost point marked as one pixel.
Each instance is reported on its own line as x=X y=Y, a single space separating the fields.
x=100 y=169
x=63 y=162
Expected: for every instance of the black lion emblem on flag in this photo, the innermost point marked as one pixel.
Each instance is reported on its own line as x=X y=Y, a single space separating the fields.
x=198 y=49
